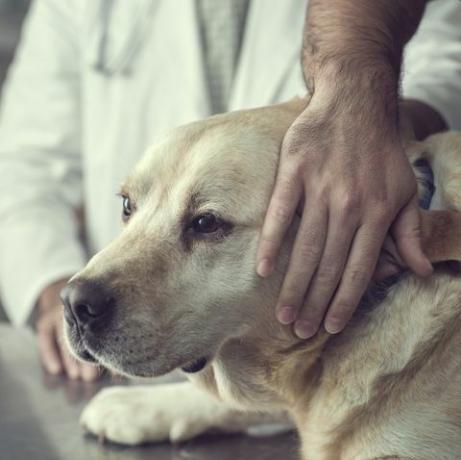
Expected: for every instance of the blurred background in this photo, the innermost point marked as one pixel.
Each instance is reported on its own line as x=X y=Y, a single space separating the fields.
x=12 y=13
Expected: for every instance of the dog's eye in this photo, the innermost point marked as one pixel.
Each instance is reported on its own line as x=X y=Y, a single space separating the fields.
x=127 y=208
x=205 y=223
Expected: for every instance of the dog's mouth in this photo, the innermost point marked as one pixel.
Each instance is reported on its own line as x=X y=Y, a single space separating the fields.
x=87 y=356
x=195 y=366
x=89 y=352
x=82 y=351
x=76 y=343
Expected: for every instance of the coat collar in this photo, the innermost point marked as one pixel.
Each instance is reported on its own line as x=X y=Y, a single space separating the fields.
x=271 y=48
x=271 y=45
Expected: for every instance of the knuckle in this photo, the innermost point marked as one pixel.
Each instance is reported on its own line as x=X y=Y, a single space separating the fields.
x=358 y=277
x=412 y=232
x=281 y=213
x=292 y=150
x=350 y=201
x=381 y=213
x=296 y=135
x=269 y=244
x=322 y=193
x=327 y=273
x=285 y=185
x=308 y=251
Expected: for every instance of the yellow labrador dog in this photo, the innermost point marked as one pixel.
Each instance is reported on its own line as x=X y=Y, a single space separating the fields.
x=178 y=289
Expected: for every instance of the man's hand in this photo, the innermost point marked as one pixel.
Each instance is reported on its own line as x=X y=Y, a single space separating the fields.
x=344 y=165
x=52 y=349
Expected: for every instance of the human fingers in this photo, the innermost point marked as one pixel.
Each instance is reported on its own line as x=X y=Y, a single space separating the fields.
x=71 y=365
x=305 y=256
x=342 y=226
x=282 y=207
x=89 y=372
x=357 y=274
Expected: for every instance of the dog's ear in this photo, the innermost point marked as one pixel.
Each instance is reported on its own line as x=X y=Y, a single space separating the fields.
x=441 y=235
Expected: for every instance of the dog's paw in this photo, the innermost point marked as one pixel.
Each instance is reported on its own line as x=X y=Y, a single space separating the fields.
x=135 y=415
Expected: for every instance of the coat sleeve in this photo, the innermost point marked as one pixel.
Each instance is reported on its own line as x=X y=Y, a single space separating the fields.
x=432 y=62
x=40 y=164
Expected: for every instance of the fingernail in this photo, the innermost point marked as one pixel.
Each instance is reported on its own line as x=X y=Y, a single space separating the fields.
x=286 y=315
x=264 y=268
x=305 y=329
x=333 y=325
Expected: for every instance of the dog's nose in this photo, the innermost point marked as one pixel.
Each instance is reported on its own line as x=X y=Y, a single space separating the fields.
x=85 y=302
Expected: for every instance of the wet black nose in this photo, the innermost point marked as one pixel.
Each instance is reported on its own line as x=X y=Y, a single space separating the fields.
x=85 y=302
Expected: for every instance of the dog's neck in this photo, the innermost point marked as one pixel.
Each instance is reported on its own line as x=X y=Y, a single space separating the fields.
x=269 y=368
x=295 y=365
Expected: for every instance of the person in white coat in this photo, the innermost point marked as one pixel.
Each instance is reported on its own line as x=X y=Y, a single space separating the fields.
x=96 y=81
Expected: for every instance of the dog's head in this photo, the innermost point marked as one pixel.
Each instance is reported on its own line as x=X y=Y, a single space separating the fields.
x=180 y=279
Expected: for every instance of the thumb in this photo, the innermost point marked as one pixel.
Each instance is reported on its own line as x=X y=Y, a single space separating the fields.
x=406 y=231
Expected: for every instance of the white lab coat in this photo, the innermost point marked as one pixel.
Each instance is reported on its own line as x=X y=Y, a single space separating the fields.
x=69 y=133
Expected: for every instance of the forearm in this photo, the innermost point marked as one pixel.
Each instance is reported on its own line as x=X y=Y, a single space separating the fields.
x=358 y=31
x=351 y=62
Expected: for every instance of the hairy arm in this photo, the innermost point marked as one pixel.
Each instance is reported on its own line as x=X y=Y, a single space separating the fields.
x=360 y=45
x=357 y=35
x=343 y=163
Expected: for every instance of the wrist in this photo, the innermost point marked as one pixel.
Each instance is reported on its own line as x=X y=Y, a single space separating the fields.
x=366 y=99
x=374 y=79
x=358 y=35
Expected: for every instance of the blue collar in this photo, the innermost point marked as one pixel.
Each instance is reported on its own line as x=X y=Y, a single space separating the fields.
x=425 y=179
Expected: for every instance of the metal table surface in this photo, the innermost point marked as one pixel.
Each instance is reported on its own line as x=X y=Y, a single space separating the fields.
x=39 y=418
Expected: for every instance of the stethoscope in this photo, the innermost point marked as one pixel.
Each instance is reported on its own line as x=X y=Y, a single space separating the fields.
x=122 y=63
x=100 y=65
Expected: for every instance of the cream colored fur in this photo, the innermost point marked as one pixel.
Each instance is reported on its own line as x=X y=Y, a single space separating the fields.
x=389 y=386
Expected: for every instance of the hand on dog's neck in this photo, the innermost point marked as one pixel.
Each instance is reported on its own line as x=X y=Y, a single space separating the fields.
x=290 y=366
x=272 y=364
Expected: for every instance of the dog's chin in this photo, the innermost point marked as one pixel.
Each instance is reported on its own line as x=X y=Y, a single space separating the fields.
x=154 y=368
x=149 y=368
x=145 y=368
